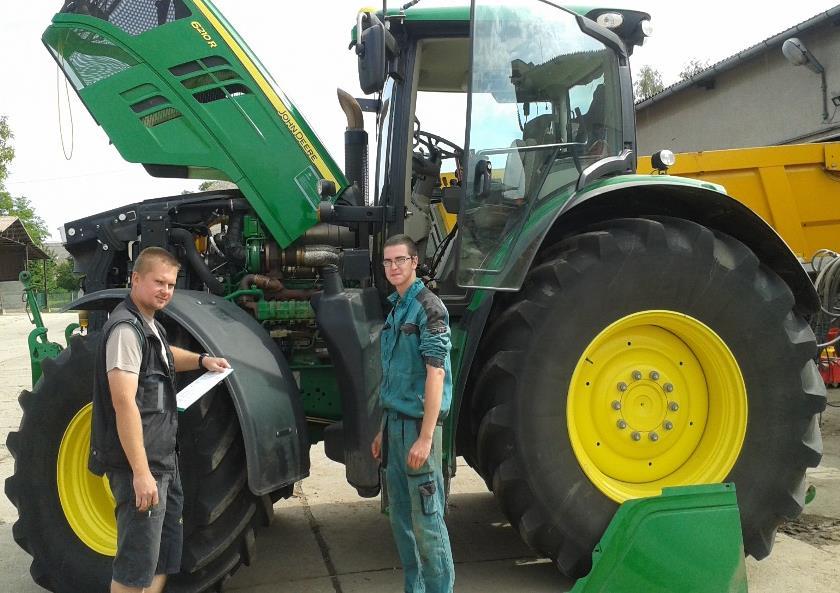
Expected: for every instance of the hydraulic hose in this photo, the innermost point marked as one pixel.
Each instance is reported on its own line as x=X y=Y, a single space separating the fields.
x=185 y=239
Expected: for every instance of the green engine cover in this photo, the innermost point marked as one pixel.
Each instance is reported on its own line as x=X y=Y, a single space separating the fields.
x=176 y=89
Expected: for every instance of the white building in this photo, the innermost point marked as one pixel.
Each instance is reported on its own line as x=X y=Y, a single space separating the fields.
x=754 y=98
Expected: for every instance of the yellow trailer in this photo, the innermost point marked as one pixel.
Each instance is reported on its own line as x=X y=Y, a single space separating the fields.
x=795 y=188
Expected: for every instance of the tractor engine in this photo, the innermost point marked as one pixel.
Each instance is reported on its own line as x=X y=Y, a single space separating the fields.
x=224 y=249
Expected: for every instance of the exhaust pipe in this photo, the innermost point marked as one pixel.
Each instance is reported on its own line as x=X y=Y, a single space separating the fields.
x=355 y=147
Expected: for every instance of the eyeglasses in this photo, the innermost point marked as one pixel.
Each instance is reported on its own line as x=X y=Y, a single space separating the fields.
x=397 y=261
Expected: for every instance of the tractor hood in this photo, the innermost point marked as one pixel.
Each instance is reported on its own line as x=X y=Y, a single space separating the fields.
x=176 y=89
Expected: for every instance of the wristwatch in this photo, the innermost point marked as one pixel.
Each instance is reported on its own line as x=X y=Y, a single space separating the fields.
x=201 y=358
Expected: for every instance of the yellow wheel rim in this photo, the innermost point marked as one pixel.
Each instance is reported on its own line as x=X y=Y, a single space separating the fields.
x=86 y=499
x=657 y=399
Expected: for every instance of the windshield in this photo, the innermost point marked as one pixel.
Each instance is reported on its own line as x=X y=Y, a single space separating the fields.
x=545 y=103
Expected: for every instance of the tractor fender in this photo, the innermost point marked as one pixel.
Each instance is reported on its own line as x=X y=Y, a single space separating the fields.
x=262 y=387
x=703 y=203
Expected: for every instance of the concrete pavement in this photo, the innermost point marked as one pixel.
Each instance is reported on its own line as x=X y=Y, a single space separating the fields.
x=325 y=539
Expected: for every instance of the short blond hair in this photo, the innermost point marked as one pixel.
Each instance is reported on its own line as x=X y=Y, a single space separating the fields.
x=154 y=255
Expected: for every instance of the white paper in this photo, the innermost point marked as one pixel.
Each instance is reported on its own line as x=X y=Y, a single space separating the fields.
x=193 y=392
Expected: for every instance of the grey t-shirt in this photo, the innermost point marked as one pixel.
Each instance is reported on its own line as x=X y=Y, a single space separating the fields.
x=123 y=350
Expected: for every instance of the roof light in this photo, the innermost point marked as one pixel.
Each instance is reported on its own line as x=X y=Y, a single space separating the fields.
x=647 y=28
x=662 y=160
x=610 y=20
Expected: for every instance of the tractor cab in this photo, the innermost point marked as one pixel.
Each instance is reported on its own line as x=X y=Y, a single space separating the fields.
x=478 y=121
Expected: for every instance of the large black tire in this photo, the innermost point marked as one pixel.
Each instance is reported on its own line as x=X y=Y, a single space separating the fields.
x=579 y=287
x=220 y=513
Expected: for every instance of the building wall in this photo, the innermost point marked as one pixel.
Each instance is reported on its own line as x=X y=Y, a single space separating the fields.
x=10 y=297
x=12 y=262
x=761 y=101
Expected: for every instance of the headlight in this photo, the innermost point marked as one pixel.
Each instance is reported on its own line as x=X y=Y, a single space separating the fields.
x=662 y=160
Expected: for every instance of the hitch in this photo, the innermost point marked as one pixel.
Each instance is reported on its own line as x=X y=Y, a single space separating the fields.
x=39 y=346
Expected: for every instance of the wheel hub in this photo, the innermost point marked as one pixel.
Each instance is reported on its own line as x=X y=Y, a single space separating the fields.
x=656 y=399
x=644 y=407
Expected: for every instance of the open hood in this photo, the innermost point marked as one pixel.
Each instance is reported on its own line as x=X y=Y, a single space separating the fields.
x=176 y=89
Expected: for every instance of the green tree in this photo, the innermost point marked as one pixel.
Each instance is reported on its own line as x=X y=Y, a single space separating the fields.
x=21 y=207
x=65 y=279
x=647 y=83
x=693 y=67
x=18 y=206
x=203 y=186
x=59 y=273
x=7 y=152
x=39 y=268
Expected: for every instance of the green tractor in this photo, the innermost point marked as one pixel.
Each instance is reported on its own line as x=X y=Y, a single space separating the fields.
x=614 y=334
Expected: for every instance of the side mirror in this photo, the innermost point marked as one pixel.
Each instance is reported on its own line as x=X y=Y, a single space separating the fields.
x=371 y=52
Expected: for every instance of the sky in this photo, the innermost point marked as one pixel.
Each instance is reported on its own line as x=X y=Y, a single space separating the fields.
x=306 y=51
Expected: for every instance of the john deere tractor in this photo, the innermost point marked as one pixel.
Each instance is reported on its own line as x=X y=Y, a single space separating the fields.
x=614 y=333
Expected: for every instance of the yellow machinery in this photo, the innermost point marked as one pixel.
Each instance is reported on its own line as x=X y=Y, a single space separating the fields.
x=795 y=188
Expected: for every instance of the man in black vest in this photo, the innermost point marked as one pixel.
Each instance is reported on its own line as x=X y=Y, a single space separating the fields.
x=134 y=425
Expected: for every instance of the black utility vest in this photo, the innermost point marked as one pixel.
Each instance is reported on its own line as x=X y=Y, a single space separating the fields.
x=155 y=399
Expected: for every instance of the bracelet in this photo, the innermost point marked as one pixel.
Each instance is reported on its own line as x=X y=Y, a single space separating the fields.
x=201 y=358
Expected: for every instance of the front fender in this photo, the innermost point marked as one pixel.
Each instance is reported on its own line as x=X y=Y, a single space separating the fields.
x=262 y=386
x=701 y=202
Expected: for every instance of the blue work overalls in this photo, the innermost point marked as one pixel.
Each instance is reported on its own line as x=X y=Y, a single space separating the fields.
x=416 y=333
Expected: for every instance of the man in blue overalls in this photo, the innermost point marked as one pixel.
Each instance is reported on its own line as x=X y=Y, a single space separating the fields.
x=415 y=395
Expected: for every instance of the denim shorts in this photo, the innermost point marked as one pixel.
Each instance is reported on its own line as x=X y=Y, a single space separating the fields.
x=149 y=542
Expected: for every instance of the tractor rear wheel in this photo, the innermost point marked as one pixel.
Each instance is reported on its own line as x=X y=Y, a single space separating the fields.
x=640 y=354
x=66 y=514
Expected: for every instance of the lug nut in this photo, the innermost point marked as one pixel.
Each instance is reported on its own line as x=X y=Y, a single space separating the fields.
x=636 y=436
x=654 y=376
x=637 y=375
x=621 y=424
x=667 y=425
x=616 y=405
x=673 y=406
x=622 y=386
x=653 y=437
x=668 y=387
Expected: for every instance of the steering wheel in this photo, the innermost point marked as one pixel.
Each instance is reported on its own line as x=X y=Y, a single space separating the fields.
x=437 y=144
x=437 y=149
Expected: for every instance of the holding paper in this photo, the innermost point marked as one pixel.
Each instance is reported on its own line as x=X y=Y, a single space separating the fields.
x=193 y=392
